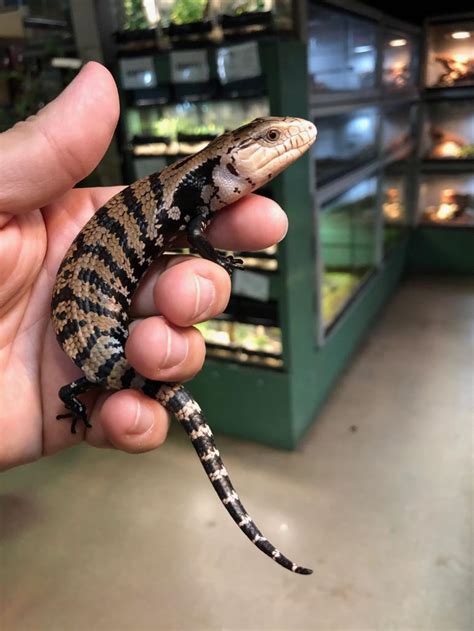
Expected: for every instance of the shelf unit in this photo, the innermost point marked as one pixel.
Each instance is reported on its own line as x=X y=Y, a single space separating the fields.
x=371 y=65
x=444 y=238
x=37 y=52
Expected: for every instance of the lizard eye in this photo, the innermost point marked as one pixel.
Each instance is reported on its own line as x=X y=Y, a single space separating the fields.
x=272 y=135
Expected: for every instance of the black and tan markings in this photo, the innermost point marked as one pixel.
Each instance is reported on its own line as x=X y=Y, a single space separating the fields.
x=103 y=266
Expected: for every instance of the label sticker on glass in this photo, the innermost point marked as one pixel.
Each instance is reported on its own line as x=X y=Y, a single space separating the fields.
x=251 y=285
x=189 y=66
x=137 y=73
x=235 y=63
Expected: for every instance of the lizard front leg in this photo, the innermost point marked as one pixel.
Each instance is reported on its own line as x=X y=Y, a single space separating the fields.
x=199 y=241
x=68 y=395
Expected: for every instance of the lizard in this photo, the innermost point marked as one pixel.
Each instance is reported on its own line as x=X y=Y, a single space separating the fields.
x=103 y=266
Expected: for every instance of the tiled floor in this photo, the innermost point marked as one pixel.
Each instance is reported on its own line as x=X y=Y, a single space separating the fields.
x=100 y=541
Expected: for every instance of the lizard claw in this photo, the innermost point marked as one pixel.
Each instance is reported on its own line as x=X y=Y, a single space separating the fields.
x=75 y=420
x=229 y=263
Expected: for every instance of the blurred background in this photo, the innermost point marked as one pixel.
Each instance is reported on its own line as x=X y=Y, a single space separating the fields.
x=361 y=320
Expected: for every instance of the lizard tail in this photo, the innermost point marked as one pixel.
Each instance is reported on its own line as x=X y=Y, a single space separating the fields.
x=179 y=402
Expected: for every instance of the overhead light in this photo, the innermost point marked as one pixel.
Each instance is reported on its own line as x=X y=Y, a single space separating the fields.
x=461 y=35
x=363 y=49
x=395 y=43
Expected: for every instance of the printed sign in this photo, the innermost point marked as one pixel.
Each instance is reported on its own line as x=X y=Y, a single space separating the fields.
x=235 y=63
x=189 y=66
x=137 y=73
x=251 y=285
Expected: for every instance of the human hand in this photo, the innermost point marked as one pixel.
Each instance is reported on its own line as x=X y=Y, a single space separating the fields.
x=40 y=214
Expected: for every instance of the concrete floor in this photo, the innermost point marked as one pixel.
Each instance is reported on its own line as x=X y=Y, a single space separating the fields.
x=100 y=541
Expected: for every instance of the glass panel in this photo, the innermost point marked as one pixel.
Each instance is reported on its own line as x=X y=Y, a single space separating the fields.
x=46 y=9
x=237 y=7
x=341 y=50
x=449 y=130
x=450 y=55
x=399 y=61
x=39 y=62
x=245 y=343
x=344 y=142
x=133 y=15
x=447 y=199
x=347 y=236
x=397 y=127
x=394 y=203
x=181 y=11
x=187 y=127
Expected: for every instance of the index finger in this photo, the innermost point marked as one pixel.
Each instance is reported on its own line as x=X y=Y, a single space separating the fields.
x=252 y=223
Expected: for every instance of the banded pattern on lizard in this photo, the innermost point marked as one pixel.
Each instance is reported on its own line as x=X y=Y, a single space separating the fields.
x=103 y=266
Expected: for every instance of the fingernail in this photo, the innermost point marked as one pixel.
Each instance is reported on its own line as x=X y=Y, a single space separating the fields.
x=176 y=349
x=205 y=294
x=144 y=419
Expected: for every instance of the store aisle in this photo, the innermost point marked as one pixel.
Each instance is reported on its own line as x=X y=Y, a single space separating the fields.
x=378 y=500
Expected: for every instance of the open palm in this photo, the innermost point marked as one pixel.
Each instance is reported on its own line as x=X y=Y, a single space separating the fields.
x=40 y=214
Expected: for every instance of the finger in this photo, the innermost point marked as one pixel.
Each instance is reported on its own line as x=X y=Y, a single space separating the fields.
x=252 y=223
x=160 y=351
x=100 y=195
x=186 y=290
x=130 y=421
x=45 y=155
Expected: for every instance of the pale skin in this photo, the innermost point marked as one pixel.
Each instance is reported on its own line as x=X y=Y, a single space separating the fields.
x=40 y=214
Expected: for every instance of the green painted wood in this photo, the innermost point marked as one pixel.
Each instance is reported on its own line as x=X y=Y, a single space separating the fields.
x=317 y=375
x=244 y=401
x=441 y=249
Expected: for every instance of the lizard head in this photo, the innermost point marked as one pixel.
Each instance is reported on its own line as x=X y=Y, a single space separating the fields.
x=254 y=154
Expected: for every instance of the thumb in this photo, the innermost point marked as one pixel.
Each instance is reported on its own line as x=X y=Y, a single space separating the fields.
x=44 y=156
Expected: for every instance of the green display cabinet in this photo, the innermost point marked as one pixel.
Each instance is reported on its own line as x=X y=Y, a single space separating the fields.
x=269 y=368
x=277 y=406
x=443 y=241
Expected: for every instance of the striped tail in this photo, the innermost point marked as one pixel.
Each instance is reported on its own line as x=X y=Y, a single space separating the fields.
x=180 y=403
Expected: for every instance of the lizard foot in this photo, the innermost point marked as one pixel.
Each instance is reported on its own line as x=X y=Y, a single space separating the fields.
x=75 y=418
x=77 y=411
x=229 y=263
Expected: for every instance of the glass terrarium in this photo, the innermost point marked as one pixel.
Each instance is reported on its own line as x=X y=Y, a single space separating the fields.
x=185 y=18
x=341 y=51
x=450 y=55
x=130 y=15
x=448 y=132
x=230 y=339
x=185 y=128
x=394 y=203
x=447 y=199
x=400 y=61
x=135 y=21
x=245 y=16
x=345 y=141
x=38 y=57
x=397 y=126
x=347 y=228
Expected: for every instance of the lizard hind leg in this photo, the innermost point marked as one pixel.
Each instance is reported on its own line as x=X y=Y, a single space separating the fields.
x=77 y=411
